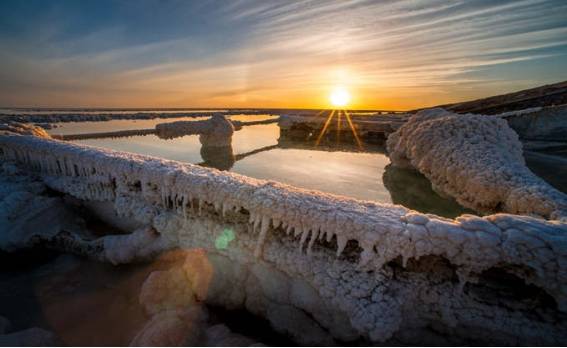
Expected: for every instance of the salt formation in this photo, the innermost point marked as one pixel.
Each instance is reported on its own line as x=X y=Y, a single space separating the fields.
x=321 y=267
x=475 y=159
x=214 y=132
x=23 y=129
x=30 y=216
x=26 y=213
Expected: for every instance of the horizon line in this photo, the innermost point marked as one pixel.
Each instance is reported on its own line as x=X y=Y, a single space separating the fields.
x=79 y=108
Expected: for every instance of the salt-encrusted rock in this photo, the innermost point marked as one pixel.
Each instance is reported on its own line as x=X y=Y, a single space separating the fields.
x=477 y=160
x=216 y=279
x=214 y=132
x=23 y=129
x=174 y=328
x=166 y=290
x=141 y=244
x=27 y=214
x=378 y=270
x=302 y=295
x=34 y=337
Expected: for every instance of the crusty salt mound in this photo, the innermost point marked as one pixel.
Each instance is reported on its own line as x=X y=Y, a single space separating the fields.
x=321 y=268
x=26 y=212
x=23 y=129
x=216 y=131
x=475 y=159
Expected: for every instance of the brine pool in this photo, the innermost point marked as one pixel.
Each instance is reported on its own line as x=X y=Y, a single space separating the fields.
x=259 y=151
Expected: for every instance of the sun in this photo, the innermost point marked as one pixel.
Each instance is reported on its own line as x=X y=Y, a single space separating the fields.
x=339 y=97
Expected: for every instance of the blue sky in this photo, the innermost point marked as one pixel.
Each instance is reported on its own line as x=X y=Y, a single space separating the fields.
x=170 y=53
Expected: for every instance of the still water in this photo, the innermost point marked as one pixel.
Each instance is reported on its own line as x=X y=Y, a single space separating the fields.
x=260 y=152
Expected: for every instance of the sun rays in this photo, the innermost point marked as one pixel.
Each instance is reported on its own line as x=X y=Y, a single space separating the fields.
x=338 y=97
x=339 y=122
x=325 y=126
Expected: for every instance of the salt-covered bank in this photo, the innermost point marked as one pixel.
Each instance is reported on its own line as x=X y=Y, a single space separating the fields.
x=320 y=268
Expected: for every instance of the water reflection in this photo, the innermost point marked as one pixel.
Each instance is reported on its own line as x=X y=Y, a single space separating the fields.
x=219 y=157
x=406 y=187
x=411 y=189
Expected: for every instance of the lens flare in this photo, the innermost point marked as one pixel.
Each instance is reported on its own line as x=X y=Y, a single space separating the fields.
x=224 y=239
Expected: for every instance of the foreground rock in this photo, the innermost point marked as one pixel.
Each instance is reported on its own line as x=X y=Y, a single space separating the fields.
x=477 y=160
x=23 y=129
x=26 y=211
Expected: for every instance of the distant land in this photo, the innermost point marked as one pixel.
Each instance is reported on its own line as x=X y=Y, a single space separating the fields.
x=548 y=95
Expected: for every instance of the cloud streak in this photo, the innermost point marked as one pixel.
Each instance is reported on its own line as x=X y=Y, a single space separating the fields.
x=398 y=54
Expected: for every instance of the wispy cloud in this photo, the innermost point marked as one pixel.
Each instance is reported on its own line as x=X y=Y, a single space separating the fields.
x=274 y=53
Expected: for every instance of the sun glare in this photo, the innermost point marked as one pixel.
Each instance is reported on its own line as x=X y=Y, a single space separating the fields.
x=339 y=97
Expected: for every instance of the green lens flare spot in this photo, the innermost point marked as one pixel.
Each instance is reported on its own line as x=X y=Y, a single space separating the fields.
x=226 y=236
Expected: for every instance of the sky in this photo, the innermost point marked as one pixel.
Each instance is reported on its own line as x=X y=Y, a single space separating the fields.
x=392 y=55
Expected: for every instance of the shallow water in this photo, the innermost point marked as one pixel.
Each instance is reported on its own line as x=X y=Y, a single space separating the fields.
x=261 y=152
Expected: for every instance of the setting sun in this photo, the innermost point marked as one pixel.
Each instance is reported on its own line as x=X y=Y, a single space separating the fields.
x=339 y=97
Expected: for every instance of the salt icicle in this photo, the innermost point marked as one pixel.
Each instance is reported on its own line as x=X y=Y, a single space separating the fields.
x=304 y=236
x=314 y=236
x=263 y=232
x=341 y=244
x=184 y=208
